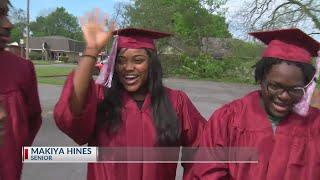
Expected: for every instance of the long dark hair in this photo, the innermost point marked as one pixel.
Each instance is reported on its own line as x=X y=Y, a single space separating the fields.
x=164 y=117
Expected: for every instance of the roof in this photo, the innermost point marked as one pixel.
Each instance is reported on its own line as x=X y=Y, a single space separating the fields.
x=56 y=43
x=13 y=44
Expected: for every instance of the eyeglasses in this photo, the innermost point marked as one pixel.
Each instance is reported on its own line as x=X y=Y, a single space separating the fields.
x=294 y=92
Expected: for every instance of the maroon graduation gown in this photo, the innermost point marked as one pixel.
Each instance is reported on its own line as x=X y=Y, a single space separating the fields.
x=18 y=87
x=292 y=153
x=137 y=130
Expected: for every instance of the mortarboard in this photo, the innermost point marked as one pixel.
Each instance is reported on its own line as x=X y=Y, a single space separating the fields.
x=127 y=38
x=288 y=44
x=138 y=38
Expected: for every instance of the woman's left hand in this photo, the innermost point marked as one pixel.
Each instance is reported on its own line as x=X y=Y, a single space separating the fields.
x=93 y=28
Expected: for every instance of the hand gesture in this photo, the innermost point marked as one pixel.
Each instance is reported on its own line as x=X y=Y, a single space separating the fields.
x=94 y=31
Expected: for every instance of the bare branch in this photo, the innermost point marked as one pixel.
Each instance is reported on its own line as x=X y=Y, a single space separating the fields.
x=276 y=10
x=267 y=14
x=264 y=7
x=313 y=17
x=314 y=33
x=313 y=9
x=309 y=3
x=290 y=12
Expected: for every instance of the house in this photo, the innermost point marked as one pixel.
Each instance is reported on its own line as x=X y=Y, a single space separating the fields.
x=55 y=47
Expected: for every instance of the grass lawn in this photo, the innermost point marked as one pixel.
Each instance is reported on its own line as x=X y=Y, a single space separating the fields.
x=44 y=71
x=52 y=75
x=42 y=62
x=54 y=81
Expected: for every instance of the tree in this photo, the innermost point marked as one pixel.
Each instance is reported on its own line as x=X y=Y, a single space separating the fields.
x=17 y=15
x=19 y=19
x=193 y=22
x=57 y=23
x=17 y=32
x=189 y=20
x=269 y=14
x=143 y=14
x=119 y=15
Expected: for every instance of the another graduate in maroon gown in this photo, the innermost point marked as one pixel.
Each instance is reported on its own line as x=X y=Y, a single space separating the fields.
x=20 y=101
x=136 y=111
x=287 y=143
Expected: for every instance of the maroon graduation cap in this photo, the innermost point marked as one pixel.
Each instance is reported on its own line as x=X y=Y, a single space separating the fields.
x=288 y=44
x=138 y=38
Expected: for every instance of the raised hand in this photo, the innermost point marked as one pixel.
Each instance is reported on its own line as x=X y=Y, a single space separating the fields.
x=96 y=39
x=93 y=28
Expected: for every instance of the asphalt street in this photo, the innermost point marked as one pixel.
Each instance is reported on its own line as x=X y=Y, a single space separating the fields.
x=207 y=97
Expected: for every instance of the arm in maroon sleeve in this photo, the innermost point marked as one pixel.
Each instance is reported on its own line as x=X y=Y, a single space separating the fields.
x=33 y=106
x=193 y=124
x=79 y=127
x=216 y=134
x=192 y=121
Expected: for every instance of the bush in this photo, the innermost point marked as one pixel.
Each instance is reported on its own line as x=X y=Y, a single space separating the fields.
x=170 y=63
x=245 y=50
x=64 y=59
x=205 y=67
x=34 y=55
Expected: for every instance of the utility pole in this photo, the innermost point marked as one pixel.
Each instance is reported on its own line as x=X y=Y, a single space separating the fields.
x=28 y=33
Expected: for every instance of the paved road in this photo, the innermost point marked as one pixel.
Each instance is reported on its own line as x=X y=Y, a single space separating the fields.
x=207 y=96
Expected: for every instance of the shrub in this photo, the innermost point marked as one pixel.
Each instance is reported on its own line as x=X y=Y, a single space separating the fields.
x=64 y=59
x=35 y=55
x=245 y=50
x=204 y=66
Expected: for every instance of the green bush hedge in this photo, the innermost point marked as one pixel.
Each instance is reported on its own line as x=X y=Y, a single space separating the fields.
x=245 y=50
x=64 y=59
x=34 y=55
x=205 y=67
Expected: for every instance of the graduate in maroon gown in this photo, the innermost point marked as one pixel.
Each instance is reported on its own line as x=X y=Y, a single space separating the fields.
x=137 y=110
x=20 y=102
x=288 y=144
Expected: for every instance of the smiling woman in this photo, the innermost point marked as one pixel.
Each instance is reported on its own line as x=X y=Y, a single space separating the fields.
x=287 y=143
x=132 y=70
x=128 y=106
x=282 y=83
